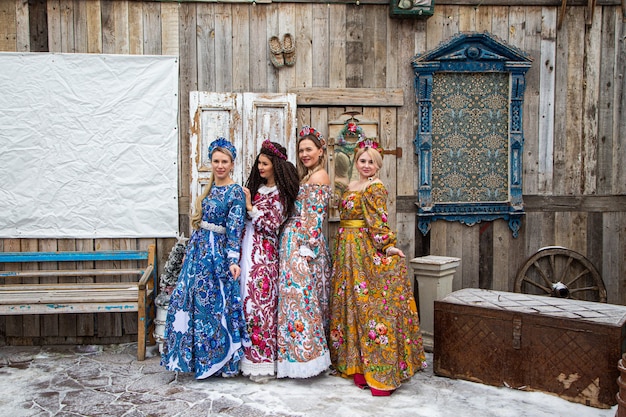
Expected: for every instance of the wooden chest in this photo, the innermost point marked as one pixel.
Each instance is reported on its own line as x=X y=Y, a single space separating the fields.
x=567 y=347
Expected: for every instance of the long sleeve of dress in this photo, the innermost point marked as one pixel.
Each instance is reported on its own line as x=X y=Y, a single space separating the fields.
x=267 y=215
x=313 y=215
x=375 y=216
x=235 y=224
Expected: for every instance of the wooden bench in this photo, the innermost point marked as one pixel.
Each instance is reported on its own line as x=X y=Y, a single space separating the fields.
x=85 y=297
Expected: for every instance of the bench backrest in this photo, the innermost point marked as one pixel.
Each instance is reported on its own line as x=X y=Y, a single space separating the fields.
x=77 y=256
x=122 y=255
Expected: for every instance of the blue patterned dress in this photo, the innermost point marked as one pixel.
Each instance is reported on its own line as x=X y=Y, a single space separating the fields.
x=205 y=328
x=303 y=287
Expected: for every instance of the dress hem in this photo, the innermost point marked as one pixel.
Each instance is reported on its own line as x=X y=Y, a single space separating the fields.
x=249 y=368
x=314 y=367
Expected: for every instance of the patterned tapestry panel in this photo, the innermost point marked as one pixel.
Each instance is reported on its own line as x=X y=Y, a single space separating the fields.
x=470 y=153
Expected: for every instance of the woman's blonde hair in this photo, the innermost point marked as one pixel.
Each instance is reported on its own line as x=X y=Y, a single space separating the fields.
x=374 y=154
x=196 y=217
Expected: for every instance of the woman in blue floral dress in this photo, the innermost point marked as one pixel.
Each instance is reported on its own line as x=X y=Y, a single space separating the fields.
x=205 y=327
x=305 y=268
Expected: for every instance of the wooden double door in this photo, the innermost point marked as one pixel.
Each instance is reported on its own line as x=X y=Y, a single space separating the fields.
x=246 y=119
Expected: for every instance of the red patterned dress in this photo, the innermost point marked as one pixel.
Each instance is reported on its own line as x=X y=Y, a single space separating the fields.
x=374 y=326
x=259 y=276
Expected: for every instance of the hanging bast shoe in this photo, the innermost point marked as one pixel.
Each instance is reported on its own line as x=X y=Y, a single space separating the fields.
x=289 y=50
x=276 y=52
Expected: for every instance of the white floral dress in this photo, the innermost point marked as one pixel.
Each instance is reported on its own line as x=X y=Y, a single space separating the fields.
x=303 y=287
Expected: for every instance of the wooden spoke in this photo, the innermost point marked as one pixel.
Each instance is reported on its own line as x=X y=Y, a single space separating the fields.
x=577 y=277
x=542 y=287
x=565 y=270
x=575 y=290
x=543 y=274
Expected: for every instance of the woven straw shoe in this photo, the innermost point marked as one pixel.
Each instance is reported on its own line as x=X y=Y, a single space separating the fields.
x=276 y=52
x=289 y=50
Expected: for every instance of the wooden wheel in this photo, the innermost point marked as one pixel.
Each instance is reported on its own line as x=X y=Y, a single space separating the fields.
x=560 y=272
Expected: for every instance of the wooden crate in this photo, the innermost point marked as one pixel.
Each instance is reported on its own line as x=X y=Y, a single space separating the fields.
x=566 y=347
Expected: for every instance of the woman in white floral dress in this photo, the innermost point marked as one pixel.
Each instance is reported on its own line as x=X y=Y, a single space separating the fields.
x=305 y=268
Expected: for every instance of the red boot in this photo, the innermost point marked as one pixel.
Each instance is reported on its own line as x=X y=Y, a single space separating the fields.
x=359 y=381
x=381 y=393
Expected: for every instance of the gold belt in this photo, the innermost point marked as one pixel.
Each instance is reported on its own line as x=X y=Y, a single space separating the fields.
x=352 y=223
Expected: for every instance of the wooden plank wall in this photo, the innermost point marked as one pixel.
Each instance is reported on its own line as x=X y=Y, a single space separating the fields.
x=574 y=119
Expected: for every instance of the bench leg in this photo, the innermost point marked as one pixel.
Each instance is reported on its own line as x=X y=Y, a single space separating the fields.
x=142 y=323
x=141 y=337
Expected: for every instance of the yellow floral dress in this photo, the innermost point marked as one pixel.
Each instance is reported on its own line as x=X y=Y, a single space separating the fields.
x=374 y=326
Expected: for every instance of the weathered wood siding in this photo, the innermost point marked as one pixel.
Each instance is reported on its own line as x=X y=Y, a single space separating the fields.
x=575 y=128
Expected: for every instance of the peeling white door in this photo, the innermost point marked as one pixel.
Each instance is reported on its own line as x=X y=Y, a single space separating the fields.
x=246 y=119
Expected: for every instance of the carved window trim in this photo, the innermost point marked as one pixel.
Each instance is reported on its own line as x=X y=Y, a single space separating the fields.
x=470 y=53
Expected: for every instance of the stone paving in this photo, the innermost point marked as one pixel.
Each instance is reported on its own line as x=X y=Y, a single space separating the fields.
x=99 y=381
x=56 y=381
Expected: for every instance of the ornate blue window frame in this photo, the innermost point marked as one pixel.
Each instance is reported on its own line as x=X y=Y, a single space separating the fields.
x=470 y=53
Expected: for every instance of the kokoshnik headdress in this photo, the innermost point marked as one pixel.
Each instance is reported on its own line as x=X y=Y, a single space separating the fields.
x=222 y=143
x=267 y=144
x=308 y=130
x=369 y=143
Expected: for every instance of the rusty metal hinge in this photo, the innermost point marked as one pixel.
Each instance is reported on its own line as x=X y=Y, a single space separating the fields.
x=397 y=152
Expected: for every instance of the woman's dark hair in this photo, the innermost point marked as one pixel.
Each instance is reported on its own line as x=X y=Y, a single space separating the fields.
x=285 y=175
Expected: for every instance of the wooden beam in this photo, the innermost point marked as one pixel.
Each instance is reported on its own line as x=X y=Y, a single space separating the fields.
x=522 y=3
x=587 y=203
x=348 y=97
x=546 y=203
x=475 y=3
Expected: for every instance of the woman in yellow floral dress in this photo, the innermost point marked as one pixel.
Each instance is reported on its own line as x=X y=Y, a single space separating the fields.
x=374 y=326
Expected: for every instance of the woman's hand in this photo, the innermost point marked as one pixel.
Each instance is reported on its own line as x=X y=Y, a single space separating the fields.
x=235 y=270
x=246 y=191
x=394 y=251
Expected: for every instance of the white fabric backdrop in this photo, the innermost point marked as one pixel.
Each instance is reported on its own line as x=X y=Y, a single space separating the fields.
x=88 y=146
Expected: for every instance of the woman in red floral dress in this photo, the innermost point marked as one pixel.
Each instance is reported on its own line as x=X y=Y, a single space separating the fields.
x=271 y=191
